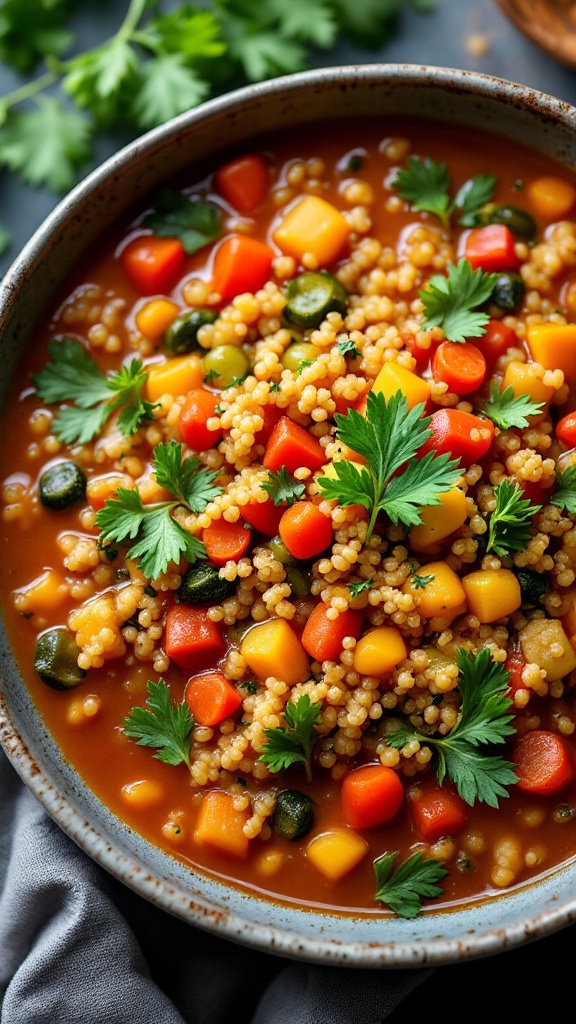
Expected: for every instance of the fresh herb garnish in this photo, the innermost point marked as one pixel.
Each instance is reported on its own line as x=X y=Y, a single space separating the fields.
x=565 y=494
x=302 y=366
x=357 y=588
x=510 y=525
x=484 y=719
x=414 y=880
x=505 y=410
x=72 y=376
x=451 y=302
x=393 y=481
x=420 y=582
x=283 y=488
x=293 y=744
x=347 y=347
x=159 y=538
x=195 y=222
x=426 y=185
x=162 y=724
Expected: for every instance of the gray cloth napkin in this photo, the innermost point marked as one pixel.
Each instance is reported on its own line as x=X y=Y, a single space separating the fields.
x=78 y=947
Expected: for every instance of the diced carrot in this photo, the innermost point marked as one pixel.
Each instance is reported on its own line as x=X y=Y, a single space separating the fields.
x=241 y=264
x=190 y=636
x=552 y=198
x=220 y=825
x=305 y=530
x=264 y=516
x=199 y=406
x=153 y=264
x=290 y=445
x=496 y=341
x=225 y=542
x=460 y=365
x=371 y=795
x=515 y=664
x=566 y=430
x=155 y=316
x=272 y=413
x=211 y=698
x=460 y=434
x=491 y=248
x=437 y=812
x=313 y=226
x=244 y=182
x=545 y=762
x=322 y=637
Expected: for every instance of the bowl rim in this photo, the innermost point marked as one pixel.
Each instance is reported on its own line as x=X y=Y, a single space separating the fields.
x=124 y=866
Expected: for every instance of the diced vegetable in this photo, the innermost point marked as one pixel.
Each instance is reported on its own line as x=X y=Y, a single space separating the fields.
x=310 y=297
x=551 y=198
x=492 y=594
x=526 y=379
x=508 y=292
x=544 y=642
x=264 y=516
x=62 y=486
x=241 y=264
x=334 y=854
x=371 y=795
x=439 y=521
x=174 y=377
x=442 y=594
x=290 y=445
x=202 y=584
x=272 y=648
x=322 y=637
x=491 y=248
x=220 y=825
x=211 y=698
x=181 y=335
x=496 y=341
x=226 y=542
x=379 y=651
x=554 y=347
x=393 y=377
x=545 y=762
x=305 y=530
x=226 y=364
x=515 y=664
x=521 y=223
x=56 y=659
x=566 y=430
x=293 y=815
x=155 y=316
x=313 y=226
x=437 y=812
x=243 y=182
x=190 y=636
x=459 y=434
x=460 y=365
x=46 y=593
x=153 y=264
x=199 y=406
x=298 y=353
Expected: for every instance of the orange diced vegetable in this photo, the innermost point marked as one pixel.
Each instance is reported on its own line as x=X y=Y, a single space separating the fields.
x=371 y=795
x=241 y=264
x=393 y=377
x=552 y=198
x=272 y=648
x=290 y=445
x=554 y=347
x=155 y=316
x=153 y=264
x=211 y=698
x=322 y=637
x=442 y=594
x=174 y=377
x=313 y=226
x=526 y=379
x=437 y=812
x=305 y=530
x=379 y=651
x=244 y=182
x=460 y=365
x=439 y=521
x=491 y=248
x=225 y=542
x=191 y=636
x=199 y=406
x=221 y=826
x=45 y=594
x=492 y=594
x=566 y=430
x=335 y=853
x=264 y=516
x=459 y=434
x=544 y=762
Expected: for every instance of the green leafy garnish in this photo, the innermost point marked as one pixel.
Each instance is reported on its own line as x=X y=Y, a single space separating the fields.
x=426 y=185
x=293 y=744
x=358 y=588
x=449 y=301
x=347 y=347
x=484 y=720
x=505 y=410
x=283 y=488
x=31 y=30
x=72 y=376
x=420 y=582
x=159 y=538
x=162 y=724
x=510 y=526
x=565 y=494
x=394 y=481
x=414 y=880
x=194 y=222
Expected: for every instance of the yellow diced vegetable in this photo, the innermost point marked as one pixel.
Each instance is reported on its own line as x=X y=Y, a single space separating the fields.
x=554 y=347
x=379 y=652
x=45 y=594
x=439 y=521
x=335 y=853
x=329 y=470
x=175 y=377
x=442 y=595
x=155 y=316
x=544 y=642
x=272 y=649
x=492 y=593
x=526 y=379
x=221 y=826
x=313 y=226
x=393 y=378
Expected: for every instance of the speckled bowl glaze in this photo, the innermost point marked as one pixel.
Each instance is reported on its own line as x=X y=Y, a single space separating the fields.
x=187 y=144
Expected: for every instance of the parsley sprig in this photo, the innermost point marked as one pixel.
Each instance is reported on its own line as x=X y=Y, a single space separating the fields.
x=414 y=880
x=510 y=526
x=162 y=724
x=426 y=185
x=506 y=410
x=72 y=376
x=195 y=222
x=159 y=538
x=451 y=301
x=484 y=720
x=393 y=481
x=282 y=488
x=565 y=494
x=292 y=744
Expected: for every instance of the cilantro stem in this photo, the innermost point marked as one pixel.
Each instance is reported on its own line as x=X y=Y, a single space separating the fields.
x=29 y=90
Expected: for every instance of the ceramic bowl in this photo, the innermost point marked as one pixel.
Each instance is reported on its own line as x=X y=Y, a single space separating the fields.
x=435 y=937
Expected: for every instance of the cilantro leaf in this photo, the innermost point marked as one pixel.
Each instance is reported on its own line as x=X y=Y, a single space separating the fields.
x=426 y=185
x=358 y=588
x=283 y=488
x=167 y=87
x=102 y=79
x=31 y=30
x=72 y=376
x=448 y=301
x=505 y=410
x=192 y=33
x=393 y=481
x=565 y=493
x=484 y=719
x=510 y=526
x=293 y=744
x=194 y=222
x=192 y=485
x=472 y=196
x=421 y=582
x=162 y=724
x=45 y=144
x=347 y=347
x=415 y=879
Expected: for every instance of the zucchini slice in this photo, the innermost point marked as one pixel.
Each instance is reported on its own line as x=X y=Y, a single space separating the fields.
x=293 y=816
x=56 y=660
x=62 y=486
x=311 y=296
x=202 y=584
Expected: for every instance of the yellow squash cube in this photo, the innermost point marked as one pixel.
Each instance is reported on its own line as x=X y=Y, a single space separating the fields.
x=43 y=595
x=378 y=652
x=393 y=378
x=492 y=594
x=439 y=521
x=272 y=649
x=526 y=379
x=175 y=377
x=335 y=853
x=544 y=643
x=155 y=317
x=313 y=226
x=443 y=594
x=554 y=347
x=221 y=826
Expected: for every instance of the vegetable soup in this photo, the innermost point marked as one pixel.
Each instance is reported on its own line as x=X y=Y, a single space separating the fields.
x=288 y=518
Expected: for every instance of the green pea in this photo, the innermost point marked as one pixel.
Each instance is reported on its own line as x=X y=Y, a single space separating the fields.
x=298 y=353
x=226 y=363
